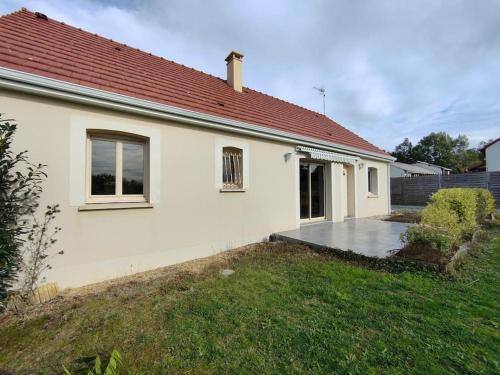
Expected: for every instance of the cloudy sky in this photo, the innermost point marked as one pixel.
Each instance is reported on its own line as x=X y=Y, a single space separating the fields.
x=392 y=69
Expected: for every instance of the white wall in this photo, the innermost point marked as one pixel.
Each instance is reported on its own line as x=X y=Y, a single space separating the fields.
x=369 y=205
x=397 y=172
x=191 y=217
x=492 y=154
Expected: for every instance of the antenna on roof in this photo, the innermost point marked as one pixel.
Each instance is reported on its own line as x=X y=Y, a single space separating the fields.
x=322 y=92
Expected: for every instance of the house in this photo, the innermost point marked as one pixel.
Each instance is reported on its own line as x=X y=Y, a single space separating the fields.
x=409 y=170
x=492 y=155
x=436 y=169
x=154 y=163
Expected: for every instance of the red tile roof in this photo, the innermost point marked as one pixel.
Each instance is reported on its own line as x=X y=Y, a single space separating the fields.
x=55 y=50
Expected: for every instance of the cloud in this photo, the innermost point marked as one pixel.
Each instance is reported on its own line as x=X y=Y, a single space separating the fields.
x=391 y=69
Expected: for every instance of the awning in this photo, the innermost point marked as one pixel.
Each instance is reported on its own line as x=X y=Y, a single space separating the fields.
x=315 y=153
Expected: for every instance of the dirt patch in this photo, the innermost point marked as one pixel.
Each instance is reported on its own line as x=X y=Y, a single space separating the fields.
x=404 y=217
x=424 y=253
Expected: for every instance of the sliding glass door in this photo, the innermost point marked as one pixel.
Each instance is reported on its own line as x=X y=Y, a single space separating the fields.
x=312 y=191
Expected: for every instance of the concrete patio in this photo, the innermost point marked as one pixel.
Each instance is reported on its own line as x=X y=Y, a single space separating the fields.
x=369 y=237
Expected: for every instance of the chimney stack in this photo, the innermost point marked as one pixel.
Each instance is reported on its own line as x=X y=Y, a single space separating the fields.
x=234 y=67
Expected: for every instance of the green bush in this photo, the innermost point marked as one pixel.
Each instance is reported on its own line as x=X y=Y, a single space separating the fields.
x=463 y=203
x=445 y=221
x=485 y=204
x=426 y=235
x=451 y=216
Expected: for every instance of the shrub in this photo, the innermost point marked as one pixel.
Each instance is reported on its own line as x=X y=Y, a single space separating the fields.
x=485 y=204
x=20 y=190
x=445 y=221
x=426 y=235
x=463 y=203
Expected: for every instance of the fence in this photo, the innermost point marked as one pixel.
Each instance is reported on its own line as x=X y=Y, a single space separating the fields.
x=416 y=191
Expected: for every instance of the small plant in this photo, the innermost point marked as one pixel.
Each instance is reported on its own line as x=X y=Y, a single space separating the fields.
x=40 y=238
x=425 y=235
x=112 y=368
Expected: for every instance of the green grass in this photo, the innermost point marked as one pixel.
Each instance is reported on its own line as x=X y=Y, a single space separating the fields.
x=285 y=310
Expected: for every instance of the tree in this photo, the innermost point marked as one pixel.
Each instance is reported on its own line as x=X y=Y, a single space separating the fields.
x=20 y=190
x=465 y=157
x=404 y=152
x=436 y=148
x=440 y=149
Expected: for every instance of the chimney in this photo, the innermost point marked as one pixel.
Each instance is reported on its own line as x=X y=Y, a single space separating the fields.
x=234 y=70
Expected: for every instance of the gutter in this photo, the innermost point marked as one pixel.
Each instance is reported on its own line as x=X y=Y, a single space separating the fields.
x=34 y=84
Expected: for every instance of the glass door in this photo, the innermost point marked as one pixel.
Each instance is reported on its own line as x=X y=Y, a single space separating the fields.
x=312 y=191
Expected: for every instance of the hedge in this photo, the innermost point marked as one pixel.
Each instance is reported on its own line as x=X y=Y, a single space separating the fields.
x=452 y=216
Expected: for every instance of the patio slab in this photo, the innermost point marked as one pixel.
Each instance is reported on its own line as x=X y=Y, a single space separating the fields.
x=370 y=237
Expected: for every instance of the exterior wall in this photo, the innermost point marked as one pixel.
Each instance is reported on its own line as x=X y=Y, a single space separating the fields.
x=492 y=155
x=373 y=205
x=190 y=217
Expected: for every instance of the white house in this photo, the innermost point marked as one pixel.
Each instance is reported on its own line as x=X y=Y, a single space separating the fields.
x=492 y=155
x=155 y=163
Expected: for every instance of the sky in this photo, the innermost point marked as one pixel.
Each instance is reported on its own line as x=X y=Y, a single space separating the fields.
x=391 y=69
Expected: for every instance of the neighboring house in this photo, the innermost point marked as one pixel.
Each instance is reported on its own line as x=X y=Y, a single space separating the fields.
x=155 y=163
x=436 y=169
x=492 y=155
x=408 y=170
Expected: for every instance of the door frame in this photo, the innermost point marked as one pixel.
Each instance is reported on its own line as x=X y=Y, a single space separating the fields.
x=319 y=218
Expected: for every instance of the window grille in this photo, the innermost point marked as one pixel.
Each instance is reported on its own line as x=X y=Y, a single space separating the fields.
x=232 y=168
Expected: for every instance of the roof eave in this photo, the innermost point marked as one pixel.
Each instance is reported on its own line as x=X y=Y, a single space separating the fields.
x=39 y=85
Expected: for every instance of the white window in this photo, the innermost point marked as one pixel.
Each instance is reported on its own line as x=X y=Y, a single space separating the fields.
x=372 y=181
x=117 y=168
x=232 y=168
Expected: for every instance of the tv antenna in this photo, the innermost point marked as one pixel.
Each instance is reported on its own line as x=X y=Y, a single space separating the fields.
x=322 y=92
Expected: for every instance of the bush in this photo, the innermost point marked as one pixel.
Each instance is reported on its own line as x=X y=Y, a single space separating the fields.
x=463 y=203
x=20 y=190
x=445 y=221
x=485 y=204
x=426 y=235
x=451 y=216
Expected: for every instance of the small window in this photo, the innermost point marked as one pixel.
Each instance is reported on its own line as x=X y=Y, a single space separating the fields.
x=232 y=168
x=116 y=169
x=372 y=181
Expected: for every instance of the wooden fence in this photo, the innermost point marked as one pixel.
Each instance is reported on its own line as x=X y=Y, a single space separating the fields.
x=416 y=191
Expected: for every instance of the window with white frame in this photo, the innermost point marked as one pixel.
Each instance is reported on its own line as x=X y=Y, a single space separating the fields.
x=232 y=168
x=372 y=181
x=117 y=168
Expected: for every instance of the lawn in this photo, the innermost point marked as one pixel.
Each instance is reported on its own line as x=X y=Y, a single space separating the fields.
x=285 y=310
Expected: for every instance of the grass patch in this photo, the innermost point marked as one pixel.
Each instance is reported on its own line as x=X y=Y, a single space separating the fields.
x=286 y=309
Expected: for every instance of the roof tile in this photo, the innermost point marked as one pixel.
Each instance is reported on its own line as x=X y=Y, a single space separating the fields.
x=53 y=49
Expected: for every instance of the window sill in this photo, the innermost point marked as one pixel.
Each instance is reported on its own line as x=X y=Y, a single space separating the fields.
x=232 y=190
x=372 y=196
x=113 y=206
